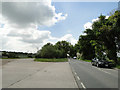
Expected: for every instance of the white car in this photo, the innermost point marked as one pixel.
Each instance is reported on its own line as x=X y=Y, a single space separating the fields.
x=74 y=57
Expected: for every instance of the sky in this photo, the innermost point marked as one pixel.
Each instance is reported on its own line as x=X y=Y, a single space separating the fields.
x=26 y=26
x=78 y=13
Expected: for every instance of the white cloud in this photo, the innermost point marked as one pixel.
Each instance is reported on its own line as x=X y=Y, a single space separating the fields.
x=106 y=17
x=94 y=20
x=69 y=38
x=30 y=36
x=60 y=17
x=18 y=30
x=27 y=14
x=19 y=22
x=88 y=25
x=29 y=39
x=97 y=19
x=22 y=40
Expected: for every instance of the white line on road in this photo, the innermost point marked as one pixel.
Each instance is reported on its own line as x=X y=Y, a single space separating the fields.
x=105 y=72
x=78 y=78
x=83 y=85
x=99 y=69
x=75 y=73
x=102 y=70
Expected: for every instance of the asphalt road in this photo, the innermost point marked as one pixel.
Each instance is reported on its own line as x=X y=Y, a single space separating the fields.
x=26 y=73
x=88 y=76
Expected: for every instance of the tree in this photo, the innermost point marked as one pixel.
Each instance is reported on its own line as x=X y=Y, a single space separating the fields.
x=100 y=39
x=108 y=34
x=64 y=46
x=59 y=50
x=48 y=51
x=114 y=21
x=85 y=47
x=104 y=38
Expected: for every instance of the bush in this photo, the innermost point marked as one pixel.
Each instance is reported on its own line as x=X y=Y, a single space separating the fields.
x=50 y=51
x=112 y=61
x=119 y=61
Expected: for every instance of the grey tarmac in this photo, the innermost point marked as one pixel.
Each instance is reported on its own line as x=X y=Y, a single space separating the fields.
x=26 y=73
x=88 y=76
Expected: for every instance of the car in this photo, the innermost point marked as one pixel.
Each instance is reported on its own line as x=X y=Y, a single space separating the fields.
x=102 y=63
x=74 y=57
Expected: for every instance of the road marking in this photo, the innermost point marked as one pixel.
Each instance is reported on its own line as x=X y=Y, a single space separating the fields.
x=78 y=78
x=102 y=70
x=106 y=72
x=83 y=85
x=75 y=73
x=99 y=69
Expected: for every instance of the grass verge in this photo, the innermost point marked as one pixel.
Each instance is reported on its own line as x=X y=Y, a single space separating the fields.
x=86 y=60
x=51 y=60
x=118 y=66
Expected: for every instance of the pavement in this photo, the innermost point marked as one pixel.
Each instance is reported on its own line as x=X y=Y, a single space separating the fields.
x=26 y=73
x=88 y=76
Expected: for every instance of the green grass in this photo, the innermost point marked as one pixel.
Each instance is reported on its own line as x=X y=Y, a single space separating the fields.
x=118 y=66
x=51 y=60
x=85 y=60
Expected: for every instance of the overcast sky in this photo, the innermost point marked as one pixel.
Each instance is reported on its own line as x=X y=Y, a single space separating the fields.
x=27 y=26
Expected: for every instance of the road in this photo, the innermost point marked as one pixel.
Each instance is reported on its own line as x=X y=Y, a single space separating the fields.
x=26 y=73
x=88 y=76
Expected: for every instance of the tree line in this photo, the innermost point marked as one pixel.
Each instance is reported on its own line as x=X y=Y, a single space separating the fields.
x=102 y=42
x=10 y=54
x=60 y=50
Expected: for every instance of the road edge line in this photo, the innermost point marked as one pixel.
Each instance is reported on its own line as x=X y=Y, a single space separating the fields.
x=83 y=85
x=74 y=75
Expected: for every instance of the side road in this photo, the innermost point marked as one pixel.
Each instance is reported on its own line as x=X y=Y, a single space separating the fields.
x=25 y=73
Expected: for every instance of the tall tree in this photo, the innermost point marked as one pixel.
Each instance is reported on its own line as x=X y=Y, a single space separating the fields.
x=48 y=51
x=63 y=46
x=86 y=49
x=104 y=38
